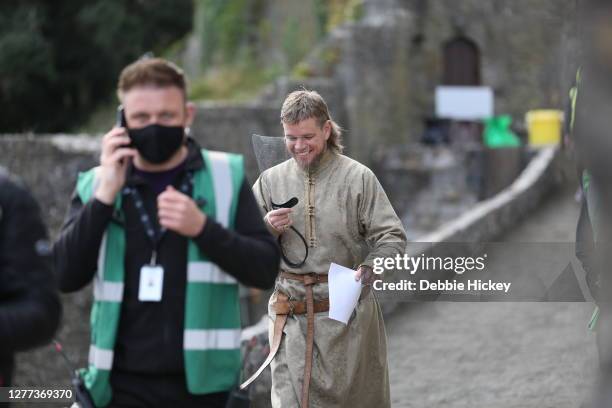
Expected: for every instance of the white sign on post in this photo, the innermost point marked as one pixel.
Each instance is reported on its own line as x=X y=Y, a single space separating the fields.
x=464 y=102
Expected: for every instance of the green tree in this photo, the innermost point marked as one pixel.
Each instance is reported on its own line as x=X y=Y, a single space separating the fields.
x=60 y=60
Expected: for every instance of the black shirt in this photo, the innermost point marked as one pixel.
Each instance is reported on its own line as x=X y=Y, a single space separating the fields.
x=30 y=307
x=150 y=334
x=158 y=181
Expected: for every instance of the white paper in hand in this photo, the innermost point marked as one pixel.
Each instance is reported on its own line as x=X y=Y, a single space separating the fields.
x=344 y=292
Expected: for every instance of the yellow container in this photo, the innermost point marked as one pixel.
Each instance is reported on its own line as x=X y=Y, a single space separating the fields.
x=544 y=127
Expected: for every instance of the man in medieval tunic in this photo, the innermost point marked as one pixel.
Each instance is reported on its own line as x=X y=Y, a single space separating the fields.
x=342 y=216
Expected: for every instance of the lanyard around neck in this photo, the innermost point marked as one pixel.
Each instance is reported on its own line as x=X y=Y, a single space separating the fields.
x=146 y=219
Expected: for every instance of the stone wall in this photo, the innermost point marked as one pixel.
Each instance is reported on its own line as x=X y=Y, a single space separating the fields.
x=48 y=165
x=374 y=72
x=527 y=48
x=229 y=128
x=389 y=63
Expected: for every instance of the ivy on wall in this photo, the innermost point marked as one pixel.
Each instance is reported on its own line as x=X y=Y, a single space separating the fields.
x=243 y=48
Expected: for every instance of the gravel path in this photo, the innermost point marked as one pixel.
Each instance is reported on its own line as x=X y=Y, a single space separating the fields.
x=497 y=355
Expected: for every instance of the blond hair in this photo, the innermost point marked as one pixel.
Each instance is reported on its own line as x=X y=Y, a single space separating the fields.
x=304 y=104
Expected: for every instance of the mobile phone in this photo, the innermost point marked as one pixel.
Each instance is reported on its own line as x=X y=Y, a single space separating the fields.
x=120 y=121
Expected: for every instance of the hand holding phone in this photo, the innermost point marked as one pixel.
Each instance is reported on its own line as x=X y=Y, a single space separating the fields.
x=114 y=160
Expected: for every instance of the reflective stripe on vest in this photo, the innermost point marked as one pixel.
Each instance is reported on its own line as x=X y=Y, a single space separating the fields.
x=107 y=291
x=222 y=339
x=222 y=180
x=104 y=290
x=100 y=358
x=207 y=272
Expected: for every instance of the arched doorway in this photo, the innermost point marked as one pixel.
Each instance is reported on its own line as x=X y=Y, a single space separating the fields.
x=461 y=62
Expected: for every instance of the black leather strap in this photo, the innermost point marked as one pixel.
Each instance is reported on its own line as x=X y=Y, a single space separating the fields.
x=290 y=204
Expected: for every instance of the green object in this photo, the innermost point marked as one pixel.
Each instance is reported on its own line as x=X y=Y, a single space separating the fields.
x=594 y=319
x=212 y=315
x=574 y=98
x=497 y=133
x=586 y=180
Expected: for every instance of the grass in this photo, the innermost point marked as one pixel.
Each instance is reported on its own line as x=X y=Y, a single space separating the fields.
x=232 y=83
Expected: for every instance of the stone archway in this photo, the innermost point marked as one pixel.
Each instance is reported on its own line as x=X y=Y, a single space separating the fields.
x=461 y=62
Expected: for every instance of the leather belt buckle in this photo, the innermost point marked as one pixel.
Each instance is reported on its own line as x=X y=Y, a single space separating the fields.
x=312 y=278
x=291 y=306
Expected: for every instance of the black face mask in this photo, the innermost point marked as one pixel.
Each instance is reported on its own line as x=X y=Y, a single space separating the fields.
x=157 y=143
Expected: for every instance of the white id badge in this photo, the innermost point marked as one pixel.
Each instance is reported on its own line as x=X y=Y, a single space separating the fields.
x=151 y=283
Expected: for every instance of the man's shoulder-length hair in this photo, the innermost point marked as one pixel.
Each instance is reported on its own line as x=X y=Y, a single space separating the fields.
x=304 y=104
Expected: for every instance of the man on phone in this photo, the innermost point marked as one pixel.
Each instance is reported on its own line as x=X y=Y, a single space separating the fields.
x=165 y=230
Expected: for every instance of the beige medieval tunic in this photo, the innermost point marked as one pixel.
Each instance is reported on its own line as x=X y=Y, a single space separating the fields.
x=347 y=219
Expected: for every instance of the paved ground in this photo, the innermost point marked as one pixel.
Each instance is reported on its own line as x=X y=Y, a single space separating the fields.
x=497 y=355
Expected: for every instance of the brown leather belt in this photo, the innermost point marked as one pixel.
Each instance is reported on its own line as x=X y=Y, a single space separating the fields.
x=284 y=307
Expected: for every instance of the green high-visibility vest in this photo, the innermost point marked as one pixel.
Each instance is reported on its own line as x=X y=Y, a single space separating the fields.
x=211 y=334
